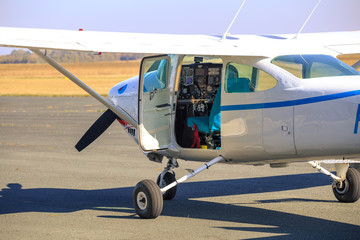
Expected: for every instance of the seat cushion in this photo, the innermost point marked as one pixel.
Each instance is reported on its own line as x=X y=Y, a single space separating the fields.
x=215 y=116
x=201 y=122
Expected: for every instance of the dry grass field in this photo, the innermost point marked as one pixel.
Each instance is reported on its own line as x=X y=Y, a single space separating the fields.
x=350 y=59
x=43 y=80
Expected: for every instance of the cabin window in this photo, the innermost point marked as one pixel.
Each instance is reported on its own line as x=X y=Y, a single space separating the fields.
x=241 y=78
x=313 y=66
x=155 y=75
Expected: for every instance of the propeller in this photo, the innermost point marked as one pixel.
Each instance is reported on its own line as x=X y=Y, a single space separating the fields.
x=100 y=126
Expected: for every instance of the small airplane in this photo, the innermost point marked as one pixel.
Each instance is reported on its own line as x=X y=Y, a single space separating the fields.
x=246 y=99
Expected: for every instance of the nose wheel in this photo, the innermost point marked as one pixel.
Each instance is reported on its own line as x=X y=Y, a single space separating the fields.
x=168 y=177
x=148 y=197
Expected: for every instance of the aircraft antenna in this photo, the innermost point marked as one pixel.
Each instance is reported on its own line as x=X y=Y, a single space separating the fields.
x=307 y=19
x=224 y=35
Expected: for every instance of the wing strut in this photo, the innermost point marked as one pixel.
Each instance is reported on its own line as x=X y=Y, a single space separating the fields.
x=119 y=112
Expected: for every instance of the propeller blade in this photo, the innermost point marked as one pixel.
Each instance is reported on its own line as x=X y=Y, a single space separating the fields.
x=100 y=126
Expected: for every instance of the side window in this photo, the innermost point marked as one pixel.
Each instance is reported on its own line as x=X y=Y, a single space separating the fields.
x=155 y=75
x=293 y=67
x=313 y=66
x=244 y=78
x=238 y=78
x=320 y=69
x=265 y=81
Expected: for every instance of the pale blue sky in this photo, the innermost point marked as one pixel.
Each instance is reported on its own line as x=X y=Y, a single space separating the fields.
x=181 y=17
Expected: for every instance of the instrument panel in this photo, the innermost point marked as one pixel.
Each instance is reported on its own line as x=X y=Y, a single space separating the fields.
x=199 y=81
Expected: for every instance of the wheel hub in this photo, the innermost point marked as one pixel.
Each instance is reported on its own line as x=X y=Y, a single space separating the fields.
x=342 y=187
x=141 y=200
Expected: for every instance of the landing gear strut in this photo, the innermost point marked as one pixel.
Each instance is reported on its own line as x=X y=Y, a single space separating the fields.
x=349 y=190
x=346 y=185
x=148 y=197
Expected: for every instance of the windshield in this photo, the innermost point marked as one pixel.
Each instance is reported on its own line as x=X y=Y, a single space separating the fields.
x=314 y=66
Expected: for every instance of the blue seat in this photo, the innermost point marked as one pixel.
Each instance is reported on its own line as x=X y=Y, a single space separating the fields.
x=233 y=83
x=237 y=85
x=209 y=123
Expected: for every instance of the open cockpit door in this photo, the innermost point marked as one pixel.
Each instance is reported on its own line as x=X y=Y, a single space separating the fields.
x=154 y=103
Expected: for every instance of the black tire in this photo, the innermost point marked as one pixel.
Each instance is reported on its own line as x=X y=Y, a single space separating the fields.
x=350 y=192
x=355 y=165
x=169 y=177
x=147 y=199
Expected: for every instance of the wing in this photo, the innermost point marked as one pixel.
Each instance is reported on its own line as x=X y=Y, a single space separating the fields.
x=114 y=42
x=340 y=42
x=234 y=45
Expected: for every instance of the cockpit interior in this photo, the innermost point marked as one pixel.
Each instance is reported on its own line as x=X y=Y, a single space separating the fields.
x=197 y=123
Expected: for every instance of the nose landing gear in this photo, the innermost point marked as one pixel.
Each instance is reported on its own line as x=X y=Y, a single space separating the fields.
x=148 y=197
x=165 y=179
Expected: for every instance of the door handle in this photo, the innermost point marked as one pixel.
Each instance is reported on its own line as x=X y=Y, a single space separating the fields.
x=163 y=105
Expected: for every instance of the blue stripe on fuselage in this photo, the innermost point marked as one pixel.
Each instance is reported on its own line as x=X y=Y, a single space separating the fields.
x=291 y=102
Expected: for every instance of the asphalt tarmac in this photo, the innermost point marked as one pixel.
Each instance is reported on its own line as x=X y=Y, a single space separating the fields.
x=50 y=191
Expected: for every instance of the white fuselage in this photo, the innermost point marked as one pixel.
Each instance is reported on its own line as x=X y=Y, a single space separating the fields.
x=297 y=120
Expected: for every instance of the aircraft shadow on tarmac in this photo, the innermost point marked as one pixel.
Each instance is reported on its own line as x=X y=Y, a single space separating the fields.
x=14 y=199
